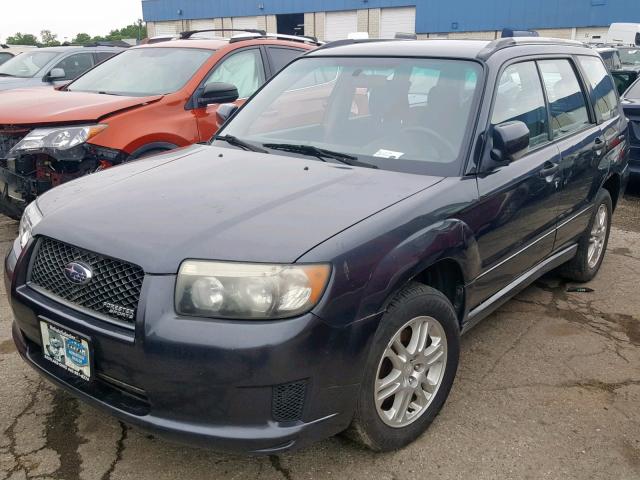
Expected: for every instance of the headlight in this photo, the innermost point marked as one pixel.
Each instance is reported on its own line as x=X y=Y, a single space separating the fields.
x=30 y=218
x=248 y=290
x=59 y=138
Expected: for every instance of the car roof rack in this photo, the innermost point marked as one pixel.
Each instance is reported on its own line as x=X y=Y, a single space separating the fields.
x=189 y=33
x=278 y=36
x=502 y=43
x=353 y=41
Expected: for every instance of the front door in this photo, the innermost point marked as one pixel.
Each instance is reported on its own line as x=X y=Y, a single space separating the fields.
x=243 y=68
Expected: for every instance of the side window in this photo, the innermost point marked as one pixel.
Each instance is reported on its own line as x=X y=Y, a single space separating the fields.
x=75 y=65
x=566 y=99
x=243 y=69
x=102 y=56
x=4 y=56
x=520 y=97
x=282 y=56
x=605 y=99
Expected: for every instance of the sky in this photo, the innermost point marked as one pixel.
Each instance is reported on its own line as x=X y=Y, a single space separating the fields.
x=66 y=17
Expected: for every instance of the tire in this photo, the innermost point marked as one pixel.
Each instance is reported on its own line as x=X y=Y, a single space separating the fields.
x=374 y=425
x=582 y=268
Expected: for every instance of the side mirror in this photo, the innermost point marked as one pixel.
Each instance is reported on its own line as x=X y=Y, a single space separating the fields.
x=509 y=140
x=56 y=74
x=218 y=92
x=226 y=111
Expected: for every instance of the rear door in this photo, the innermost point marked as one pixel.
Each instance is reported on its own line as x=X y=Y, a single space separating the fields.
x=579 y=139
x=245 y=68
x=517 y=213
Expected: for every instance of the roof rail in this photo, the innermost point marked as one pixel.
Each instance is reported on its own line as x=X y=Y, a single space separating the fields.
x=278 y=36
x=353 y=41
x=190 y=33
x=507 y=42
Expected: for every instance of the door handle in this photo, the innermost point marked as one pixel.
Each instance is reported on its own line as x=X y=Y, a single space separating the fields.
x=549 y=169
x=598 y=144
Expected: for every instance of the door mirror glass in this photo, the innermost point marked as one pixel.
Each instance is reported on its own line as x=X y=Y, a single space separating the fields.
x=510 y=140
x=225 y=112
x=56 y=74
x=218 y=92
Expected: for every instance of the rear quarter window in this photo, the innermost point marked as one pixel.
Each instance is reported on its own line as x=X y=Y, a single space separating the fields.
x=603 y=93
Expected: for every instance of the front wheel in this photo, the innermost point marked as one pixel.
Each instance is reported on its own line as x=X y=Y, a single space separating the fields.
x=593 y=243
x=410 y=371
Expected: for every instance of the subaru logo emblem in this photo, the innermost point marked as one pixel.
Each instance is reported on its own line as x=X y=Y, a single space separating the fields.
x=78 y=273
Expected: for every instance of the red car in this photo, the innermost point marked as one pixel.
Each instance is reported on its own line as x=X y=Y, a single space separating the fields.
x=145 y=100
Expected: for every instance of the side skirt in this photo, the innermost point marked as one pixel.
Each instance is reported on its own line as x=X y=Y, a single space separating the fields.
x=502 y=296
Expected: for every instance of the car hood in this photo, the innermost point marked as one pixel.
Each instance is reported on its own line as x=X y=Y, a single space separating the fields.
x=9 y=83
x=47 y=106
x=217 y=203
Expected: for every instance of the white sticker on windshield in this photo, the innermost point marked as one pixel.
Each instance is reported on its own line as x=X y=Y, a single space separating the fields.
x=388 y=154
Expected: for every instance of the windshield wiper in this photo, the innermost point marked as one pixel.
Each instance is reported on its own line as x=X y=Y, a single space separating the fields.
x=319 y=153
x=236 y=142
x=6 y=75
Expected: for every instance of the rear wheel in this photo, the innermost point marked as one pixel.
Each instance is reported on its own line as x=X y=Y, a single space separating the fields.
x=410 y=370
x=593 y=243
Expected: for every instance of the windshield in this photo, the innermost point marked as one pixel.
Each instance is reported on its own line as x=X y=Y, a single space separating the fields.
x=143 y=71
x=26 y=65
x=630 y=56
x=401 y=114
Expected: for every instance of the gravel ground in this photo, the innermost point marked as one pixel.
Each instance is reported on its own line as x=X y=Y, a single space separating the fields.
x=548 y=387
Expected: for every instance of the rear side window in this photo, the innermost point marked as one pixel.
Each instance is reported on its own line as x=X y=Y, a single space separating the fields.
x=280 y=57
x=520 y=98
x=566 y=99
x=604 y=96
x=102 y=56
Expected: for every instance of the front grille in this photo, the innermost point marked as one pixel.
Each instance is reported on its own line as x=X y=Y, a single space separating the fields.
x=114 y=287
x=9 y=138
x=288 y=401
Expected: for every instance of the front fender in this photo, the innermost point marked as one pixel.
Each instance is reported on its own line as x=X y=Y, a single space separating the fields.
x=449 y=239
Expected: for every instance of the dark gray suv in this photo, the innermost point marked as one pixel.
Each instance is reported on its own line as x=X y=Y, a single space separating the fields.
x=312 y=270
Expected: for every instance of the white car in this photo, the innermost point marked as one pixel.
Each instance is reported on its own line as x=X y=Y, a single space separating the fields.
x=10 y=51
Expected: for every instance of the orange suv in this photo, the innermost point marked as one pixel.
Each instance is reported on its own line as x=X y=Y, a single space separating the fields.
x=146 y=100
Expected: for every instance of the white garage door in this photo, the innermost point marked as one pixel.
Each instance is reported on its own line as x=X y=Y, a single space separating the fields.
x=201 y=24
x=338 y=25
x=394 y=20
x=166 y=28
x=245 y=22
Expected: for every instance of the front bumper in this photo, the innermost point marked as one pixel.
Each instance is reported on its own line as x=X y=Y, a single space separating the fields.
x=201 y=381
x=18 y=191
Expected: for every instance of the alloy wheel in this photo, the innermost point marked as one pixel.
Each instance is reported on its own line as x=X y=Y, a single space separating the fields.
x=410 y=371
x=598 y=236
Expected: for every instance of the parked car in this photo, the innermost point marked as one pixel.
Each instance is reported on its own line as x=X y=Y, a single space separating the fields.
x=312 y=269
x=147 y=100
x=624 y=74
x=631 y=106
x=7 y=52
x=51 y=66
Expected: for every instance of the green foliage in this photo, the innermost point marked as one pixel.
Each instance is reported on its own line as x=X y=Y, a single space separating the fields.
x=49 y=39
x=82 y=39
x=22 y=39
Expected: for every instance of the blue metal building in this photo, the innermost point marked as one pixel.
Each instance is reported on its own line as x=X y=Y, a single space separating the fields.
x=429 y=16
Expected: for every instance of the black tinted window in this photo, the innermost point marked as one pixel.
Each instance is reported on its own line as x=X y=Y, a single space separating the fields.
x=566 y=98
x=4 y=57
x=605 y=99
x=520 y=97
x=102 y=56
x=282 y=56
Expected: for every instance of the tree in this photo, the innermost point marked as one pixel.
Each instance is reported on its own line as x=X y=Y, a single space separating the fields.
x=130 y=31
x=49 y=39
x=22 y=39
x=82 y=39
